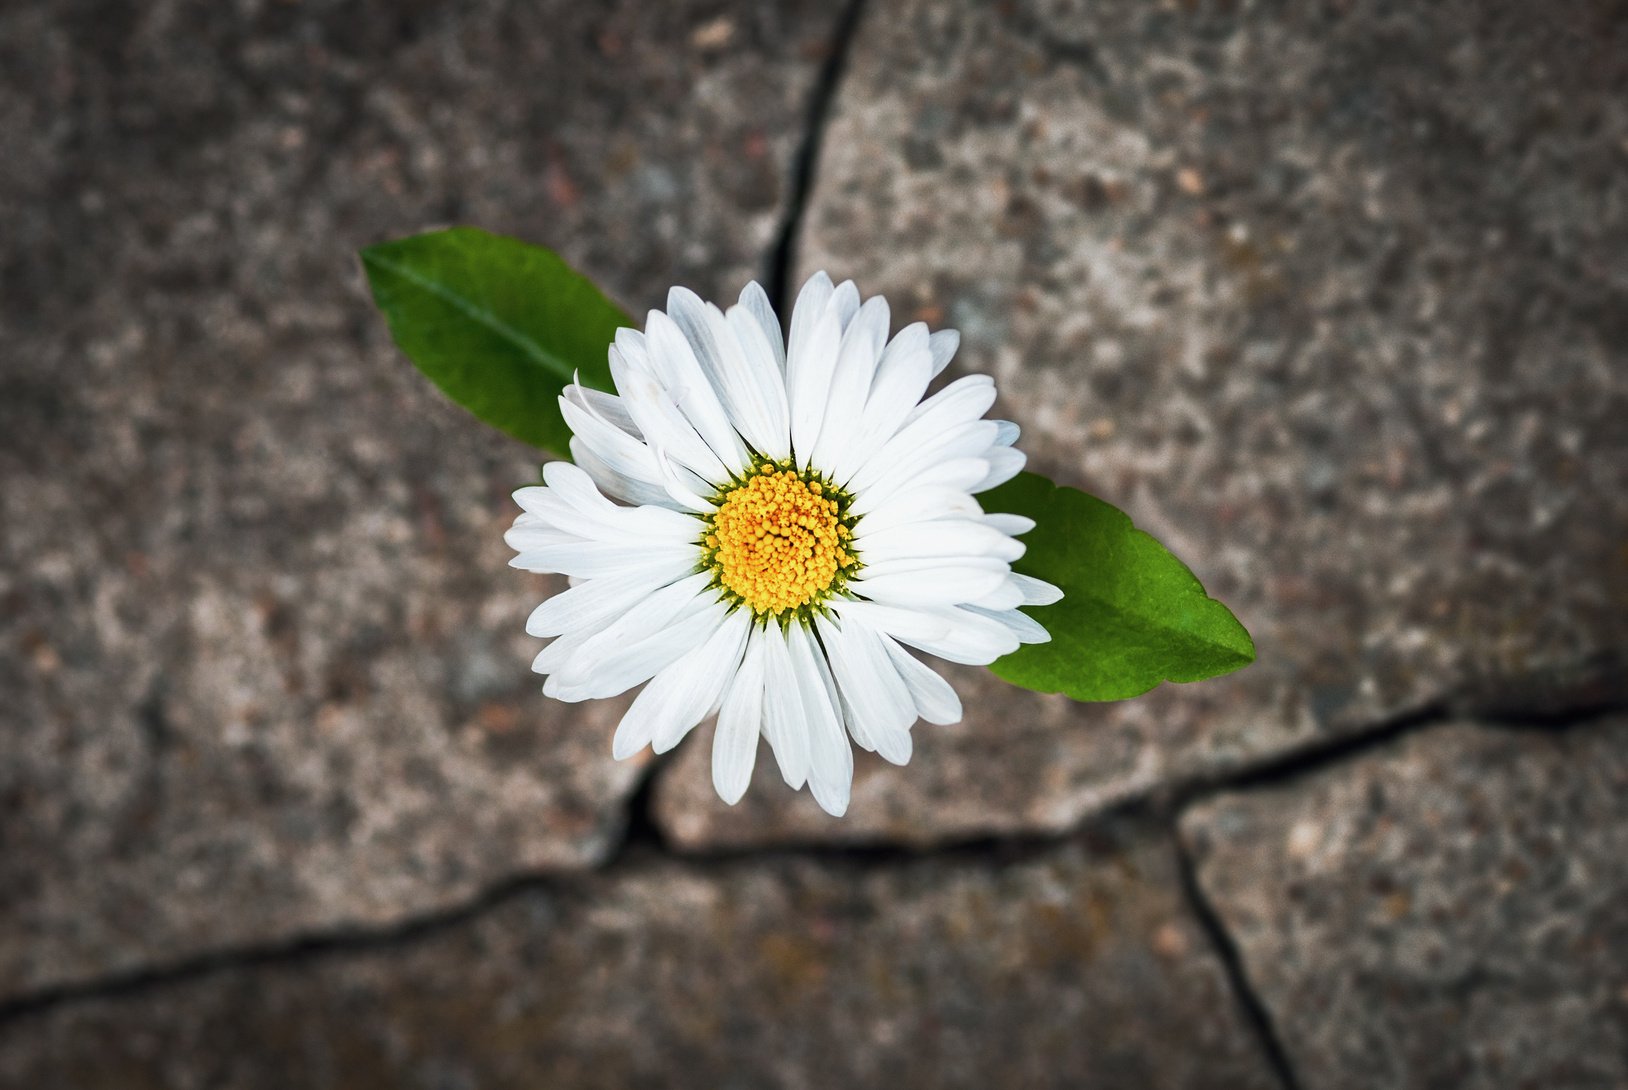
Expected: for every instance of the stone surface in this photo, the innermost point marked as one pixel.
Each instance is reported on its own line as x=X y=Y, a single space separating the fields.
x=1448 y=911
x=262 y=668
x=1330 y=298
x=1079 y=967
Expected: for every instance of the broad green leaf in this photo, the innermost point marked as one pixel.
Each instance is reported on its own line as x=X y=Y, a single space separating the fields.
x=1131 y=616
x=499 y=325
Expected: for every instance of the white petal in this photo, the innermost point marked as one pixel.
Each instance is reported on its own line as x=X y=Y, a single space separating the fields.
x=919 y=505
x=930 y=587
x=1005 y=596
x=769 y=373
x=631 y=639
x=959 y=473
x=573 y=485
x=934 y=697
x=909 y=625
x=734 y=743
x=805 y=315
x=844 y=303
x=679 y=488
x=596 y=559
x=645 y=616
x=1023 y=626
x=943 y=344
x=612 y=443
x=747 y=394
x=972 y=640
x=532 y=532
x=1009 y=433
x=666 y=428
x=587 y=607
x=634 y=347
x=901 y=379
x=967 y=398
x=879 y=704
x=638 y=723
x=861 y=350
x=1010 y=524
x=910 y=341
x=619 y=463
x=1036 y=592
x=681 y=694
x=808 y=378
x=756 y=302
x=785 y=723
x=606 y=406
x=940 y=537
x=716 y=662
x=619 y=668
x=693 y=391
x=937 y=567
x=587 y=511
x=929 y=439
x=825 y=631
x=1004 y=464
x=831 y=760
x=622 y=486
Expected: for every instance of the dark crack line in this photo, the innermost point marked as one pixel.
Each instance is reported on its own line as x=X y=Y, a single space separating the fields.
x=641 y=838
x=643 y=841
x=291 y=952
x=642 y=844
x=1250 y=1005
x=782 y=259
x=1306 y=760
x=641 y=831
x=1327 y=753
x=634 y=853
x=990 y=849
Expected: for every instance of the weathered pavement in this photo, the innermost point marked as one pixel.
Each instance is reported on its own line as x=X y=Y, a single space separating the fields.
x=1331 y=301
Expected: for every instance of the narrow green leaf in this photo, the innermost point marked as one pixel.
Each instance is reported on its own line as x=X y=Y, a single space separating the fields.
x=499 y=325
x=1131 y=616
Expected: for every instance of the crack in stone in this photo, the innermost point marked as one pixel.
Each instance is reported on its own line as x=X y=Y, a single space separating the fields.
x=293 y=951
x=1327 y=753
x=640 y=829
x=643 y=840
x=782 y=258
x=1250 y=1004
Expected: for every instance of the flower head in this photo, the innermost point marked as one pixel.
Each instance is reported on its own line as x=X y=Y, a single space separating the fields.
x=758 y=529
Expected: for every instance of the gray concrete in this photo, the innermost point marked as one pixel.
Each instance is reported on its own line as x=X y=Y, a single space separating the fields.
x=264 y=667
x=1078 y=967
x=1447 y=911
x=1329 y=299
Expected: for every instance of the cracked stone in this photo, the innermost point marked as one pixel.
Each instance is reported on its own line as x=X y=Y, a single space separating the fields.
x=263 y=666
x=1447 y=911
x=1076 y=966
x=1329 y=299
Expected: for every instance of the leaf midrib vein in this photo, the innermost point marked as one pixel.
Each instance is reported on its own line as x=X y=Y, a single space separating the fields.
x=476 y=313
x=1110 y=606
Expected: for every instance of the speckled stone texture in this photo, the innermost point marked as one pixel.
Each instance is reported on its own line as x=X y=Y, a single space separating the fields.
x=1448 y=911
x=1077 y=967
x=1331 y=298
x=262 y=667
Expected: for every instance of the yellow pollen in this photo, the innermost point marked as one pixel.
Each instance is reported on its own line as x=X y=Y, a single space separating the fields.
x=778 y=541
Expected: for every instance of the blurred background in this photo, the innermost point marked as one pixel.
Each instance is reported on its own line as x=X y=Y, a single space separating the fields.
x=1331 y=297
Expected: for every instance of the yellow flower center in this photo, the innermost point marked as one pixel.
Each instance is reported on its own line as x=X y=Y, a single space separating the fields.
x=779 y=540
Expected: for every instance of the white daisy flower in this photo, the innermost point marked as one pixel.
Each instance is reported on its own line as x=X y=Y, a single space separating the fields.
x=792 y=517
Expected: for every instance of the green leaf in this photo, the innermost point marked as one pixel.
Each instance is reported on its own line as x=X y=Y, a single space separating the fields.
x=1131 y=616
x=499 y=325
